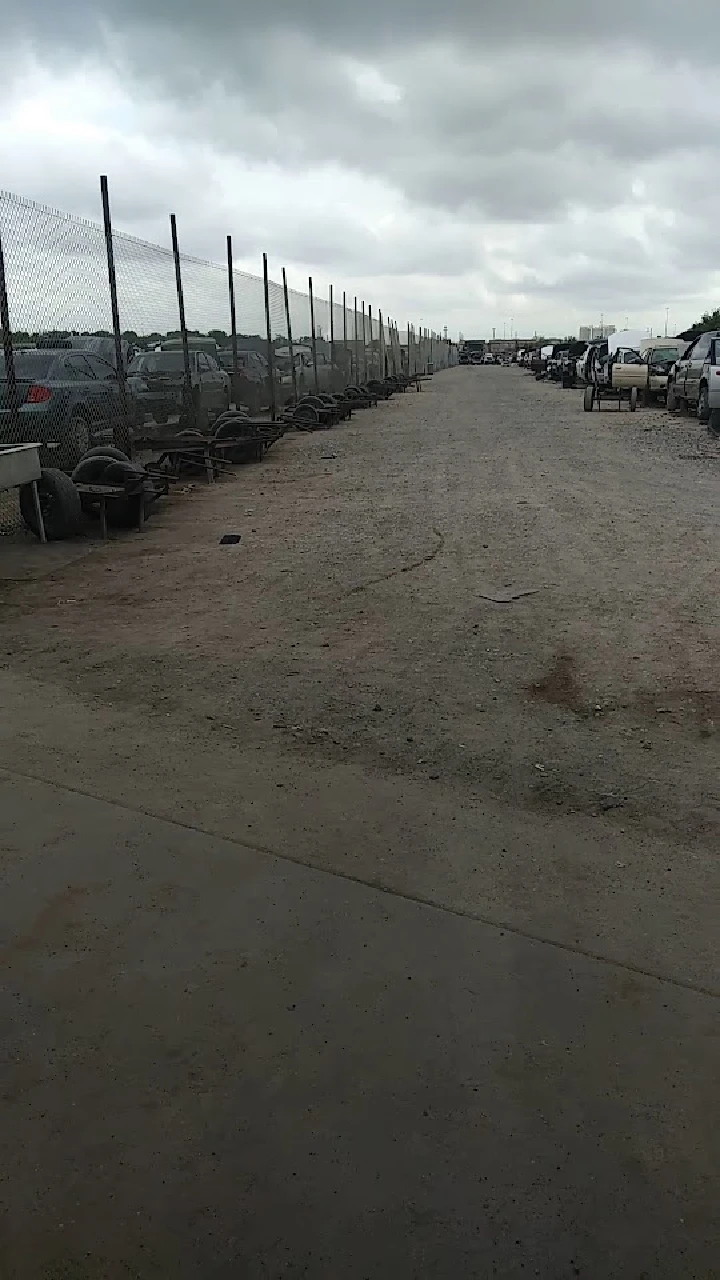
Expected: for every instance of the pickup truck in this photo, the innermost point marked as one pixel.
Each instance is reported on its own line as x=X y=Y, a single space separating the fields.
x=695 y=379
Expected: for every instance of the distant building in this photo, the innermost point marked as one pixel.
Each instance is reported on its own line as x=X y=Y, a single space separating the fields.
x=595 y=332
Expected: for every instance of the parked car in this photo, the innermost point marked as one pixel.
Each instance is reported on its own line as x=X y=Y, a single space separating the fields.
x=695 y=379
x=101 y=346
x=67 y=401
x=660 y=360
x=156 y=380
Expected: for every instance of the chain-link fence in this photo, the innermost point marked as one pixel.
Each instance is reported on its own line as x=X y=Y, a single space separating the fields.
x=106 y=337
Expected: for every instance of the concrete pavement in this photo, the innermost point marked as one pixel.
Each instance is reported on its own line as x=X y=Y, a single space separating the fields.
x=220 y=1063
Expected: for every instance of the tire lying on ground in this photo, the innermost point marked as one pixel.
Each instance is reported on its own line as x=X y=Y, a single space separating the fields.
x=59 y=503
x=588 y=398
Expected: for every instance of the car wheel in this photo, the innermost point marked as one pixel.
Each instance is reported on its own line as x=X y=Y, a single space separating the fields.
x=76 y=442
x=703 y=409
x=588 y=399
x=671 y=400
x=633 y=399
x=714 y=422
x=59 y=503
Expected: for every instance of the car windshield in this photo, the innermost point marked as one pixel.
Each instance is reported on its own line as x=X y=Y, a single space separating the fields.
x=665 y=353
x=30 y=364
x=158 y=362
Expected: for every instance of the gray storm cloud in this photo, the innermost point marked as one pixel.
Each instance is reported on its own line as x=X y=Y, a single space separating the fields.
x=588 y=133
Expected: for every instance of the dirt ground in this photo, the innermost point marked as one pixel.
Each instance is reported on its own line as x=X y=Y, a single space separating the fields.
x=464 y=655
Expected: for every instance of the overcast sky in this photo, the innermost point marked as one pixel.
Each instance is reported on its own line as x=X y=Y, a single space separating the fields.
x=468 y=163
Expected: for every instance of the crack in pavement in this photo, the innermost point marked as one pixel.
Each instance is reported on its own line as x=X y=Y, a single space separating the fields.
x=370 y=882
x=406 y=568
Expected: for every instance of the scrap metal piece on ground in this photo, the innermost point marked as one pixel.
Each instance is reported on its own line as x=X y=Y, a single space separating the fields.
x=507 y=597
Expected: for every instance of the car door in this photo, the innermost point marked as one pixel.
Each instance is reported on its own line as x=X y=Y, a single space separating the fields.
x=697 y=358
x=680 y=371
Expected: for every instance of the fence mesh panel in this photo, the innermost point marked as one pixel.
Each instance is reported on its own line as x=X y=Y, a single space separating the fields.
x=56 y=272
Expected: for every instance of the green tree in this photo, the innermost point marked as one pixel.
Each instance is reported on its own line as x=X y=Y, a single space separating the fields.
x=710 y=320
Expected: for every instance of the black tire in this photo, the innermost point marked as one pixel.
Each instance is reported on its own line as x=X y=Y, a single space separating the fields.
x=703 y=409
x=232 y=416
x=105 y=451
x=588 y=399
x=646 y=398
x=125 y=514
x=161 y=417
x=59 y=503
x=671 y=400
x=713 y=425
x=232 y=429
x=633 y=399
x=102 y=469
x=306 y=416
x=75 y=442
x=91 y=470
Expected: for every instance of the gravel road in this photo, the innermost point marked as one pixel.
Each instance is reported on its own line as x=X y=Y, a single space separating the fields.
x=465 y=654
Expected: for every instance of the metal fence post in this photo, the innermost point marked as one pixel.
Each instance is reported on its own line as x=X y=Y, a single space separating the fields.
x=122 y=438
x=345 y=337
x=381 y=347
x=8 y=352
x=270 y=351
x=291 y=349
x=332 y=333
x=313 y=338
x=357 y=346
x=188 y=397
x=364 y=344
x=372 y=342
x=233 y=319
